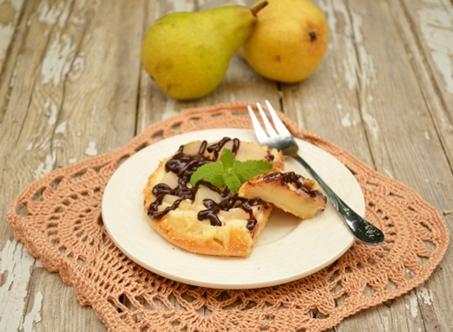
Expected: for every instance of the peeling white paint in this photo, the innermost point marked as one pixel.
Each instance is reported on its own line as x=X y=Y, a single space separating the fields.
x=6 y=31
x=77 y=20
x=357 y=64
x=38 y=263
x=91 y=149
x=182 y=6
x=346 y=117
x=367 y=71
x=342 y=38
x=437 y=30
x=72 y=160
x=346 y=120
x=50 y=13
x=57 y=61
x=29 y=146
x=330 y=15
x=61 y=128
x=46 y=166
x=170 y=110
x=387 y=172
x=64 y=15
x=57 y=143
x=427 y=137
x=16 y=266
x=79 y=63
x=51 y=110
x=412 y=306
x=371 y=124
x=34 y=315
x=426 y=296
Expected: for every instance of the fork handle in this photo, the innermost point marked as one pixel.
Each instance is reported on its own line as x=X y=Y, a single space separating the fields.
x=359 y=227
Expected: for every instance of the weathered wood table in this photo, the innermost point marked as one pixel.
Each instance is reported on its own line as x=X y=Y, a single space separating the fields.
x=71 y=86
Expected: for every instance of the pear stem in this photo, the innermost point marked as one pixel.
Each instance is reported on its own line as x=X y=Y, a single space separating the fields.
x=256 y=8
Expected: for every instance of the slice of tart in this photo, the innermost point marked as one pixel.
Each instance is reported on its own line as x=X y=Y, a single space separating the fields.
x=205 y=219
x=288 y=191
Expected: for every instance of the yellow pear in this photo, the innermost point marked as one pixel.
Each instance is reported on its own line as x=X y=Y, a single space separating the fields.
x=289 y=41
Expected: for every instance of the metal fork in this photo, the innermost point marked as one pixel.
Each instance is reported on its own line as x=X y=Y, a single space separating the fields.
x=279 y=137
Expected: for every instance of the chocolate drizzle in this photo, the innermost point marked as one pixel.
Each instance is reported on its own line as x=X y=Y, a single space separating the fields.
x=297 y=180
x=216 y=147
x=228 y=202
x=184 y=165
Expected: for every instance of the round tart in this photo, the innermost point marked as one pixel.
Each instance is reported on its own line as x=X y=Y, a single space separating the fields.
x=205 y=219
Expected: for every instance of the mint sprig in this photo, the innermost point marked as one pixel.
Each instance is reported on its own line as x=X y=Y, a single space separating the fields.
x=229 y=172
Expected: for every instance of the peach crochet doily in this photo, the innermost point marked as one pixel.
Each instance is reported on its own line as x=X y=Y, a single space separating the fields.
x=59 y=220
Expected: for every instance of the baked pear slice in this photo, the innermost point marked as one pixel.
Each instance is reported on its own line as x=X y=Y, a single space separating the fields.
x=288 y=191
x=205 y=219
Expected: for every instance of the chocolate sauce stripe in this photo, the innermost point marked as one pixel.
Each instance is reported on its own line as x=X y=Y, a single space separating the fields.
x=184 y=165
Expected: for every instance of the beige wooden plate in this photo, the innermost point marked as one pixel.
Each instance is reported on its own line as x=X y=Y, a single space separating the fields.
x=287 y=249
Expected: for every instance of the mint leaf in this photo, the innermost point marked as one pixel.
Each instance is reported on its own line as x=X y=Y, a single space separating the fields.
x=246 y=170
x=210 y=172
x=229 y=172
x=232 y=181
x=227 y=158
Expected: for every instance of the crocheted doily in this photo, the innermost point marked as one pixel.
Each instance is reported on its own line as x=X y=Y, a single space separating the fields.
x=59 y=220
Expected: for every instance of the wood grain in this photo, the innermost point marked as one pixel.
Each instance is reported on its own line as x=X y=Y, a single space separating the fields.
x=340 y=118
x=71 y=86
x=365 y=72
x=427 y=28
x=72 y=98
x=10 y=11
x=403 y=118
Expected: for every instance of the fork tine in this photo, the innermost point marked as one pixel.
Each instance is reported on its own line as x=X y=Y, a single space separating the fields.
x=270 y=130
x=281 y=128
x=259 y=131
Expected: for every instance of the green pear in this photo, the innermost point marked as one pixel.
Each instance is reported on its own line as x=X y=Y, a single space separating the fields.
x=187 y=54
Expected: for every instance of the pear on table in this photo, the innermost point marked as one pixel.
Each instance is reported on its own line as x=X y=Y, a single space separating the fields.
x=289 y=41
x=187 y=54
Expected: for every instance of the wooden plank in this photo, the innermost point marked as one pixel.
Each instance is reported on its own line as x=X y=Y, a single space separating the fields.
x=11 y=26
x=402 y=116
x=241 y=84
x=10 y=11
x=427 y=30
x=338 y=118
x=16 y=264
x=74 y=96
x=359 y=77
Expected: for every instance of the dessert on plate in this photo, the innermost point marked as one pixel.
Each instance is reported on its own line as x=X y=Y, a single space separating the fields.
x=202 y=217
x=216 y=198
